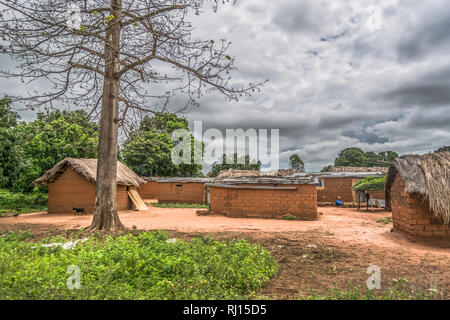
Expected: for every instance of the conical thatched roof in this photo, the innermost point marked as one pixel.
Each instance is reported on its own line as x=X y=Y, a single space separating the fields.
x=427 y=175
x=88 y=169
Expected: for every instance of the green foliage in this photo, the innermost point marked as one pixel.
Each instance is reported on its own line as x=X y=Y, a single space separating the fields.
x=388 y=156
x=326 y=168
x=146 y=266
x=290 y=217
x=295 y=162
x=8 y=121
x=147 y=151
x=443 y=149
x=370 y=184
x=385 y=220
x=22 y=203
x=180 y=205
x=355 y=157
x=42 y=143
x=231 y=162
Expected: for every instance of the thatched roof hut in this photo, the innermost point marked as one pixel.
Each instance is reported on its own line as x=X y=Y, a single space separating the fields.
x=428 y=176
x=88 y=169
x=358 y=169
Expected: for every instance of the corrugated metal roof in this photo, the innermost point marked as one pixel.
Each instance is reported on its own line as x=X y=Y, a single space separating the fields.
x=307 y=179
x=184 y=180
x=340 y=174
x=358 y=169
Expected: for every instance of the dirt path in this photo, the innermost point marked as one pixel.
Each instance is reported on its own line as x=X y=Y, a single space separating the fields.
x=311 y=254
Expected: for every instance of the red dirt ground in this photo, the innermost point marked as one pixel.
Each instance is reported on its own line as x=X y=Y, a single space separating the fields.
x=311 y=254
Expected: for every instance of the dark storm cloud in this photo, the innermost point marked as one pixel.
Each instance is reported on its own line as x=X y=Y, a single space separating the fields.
x=303 y=16
x=426 y=35
x=426 y=88
x=384 y=88
x=369 y=138
x=423 y=95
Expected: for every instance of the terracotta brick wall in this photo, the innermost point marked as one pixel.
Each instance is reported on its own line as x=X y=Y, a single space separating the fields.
x=149 y=190
x=337 y=189
x=411 y=215
x=378 y=195
x=178 y=192
x=341 y=189
x=123 y=200
x=301 y=203
x=71 y=190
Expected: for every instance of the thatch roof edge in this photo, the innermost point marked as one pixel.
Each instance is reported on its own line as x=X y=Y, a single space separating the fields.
x=428 y=176
x=88 y=169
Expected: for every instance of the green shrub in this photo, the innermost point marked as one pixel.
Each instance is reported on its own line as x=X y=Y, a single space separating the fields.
x=180 y=205
x=144 y=266
x=22 y=202
x=370 y=184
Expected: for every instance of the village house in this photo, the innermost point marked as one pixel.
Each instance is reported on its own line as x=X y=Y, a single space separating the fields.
x=338 y=186
x=264 y=197
x=418 y=191
x=149 y=189
x=182 y=190
x=71 y=184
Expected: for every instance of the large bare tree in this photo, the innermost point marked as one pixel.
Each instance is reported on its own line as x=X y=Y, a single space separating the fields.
x=117 y=58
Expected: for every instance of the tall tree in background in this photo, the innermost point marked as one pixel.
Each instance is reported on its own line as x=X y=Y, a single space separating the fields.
x=443 y=149
x=371 y=159
x=147 y=150
x=8 y=121
x=42 y=143
x=113 y=57
x=387 y=156
x=353 y=156
x=234 y=162
x=296 y=163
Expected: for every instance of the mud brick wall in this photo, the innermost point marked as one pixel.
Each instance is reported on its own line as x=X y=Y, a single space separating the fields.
x=341 y=189
x=72 y=190
x=337 y=189
x=251 y=203
x=181 y=192
x=148 y=190
x=411 y=215
x=378 y=195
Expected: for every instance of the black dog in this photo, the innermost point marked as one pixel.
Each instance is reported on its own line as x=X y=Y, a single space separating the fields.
x=78 y=211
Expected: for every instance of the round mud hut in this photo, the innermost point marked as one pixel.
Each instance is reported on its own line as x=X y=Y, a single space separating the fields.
x=418 y=191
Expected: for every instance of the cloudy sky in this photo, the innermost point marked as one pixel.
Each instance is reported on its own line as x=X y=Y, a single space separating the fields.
x=371 y=74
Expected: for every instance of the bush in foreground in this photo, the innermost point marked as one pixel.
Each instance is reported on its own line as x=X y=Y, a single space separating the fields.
x=22 y=202
x=144 y=266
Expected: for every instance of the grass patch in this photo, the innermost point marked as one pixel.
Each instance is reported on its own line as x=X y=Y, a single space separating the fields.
x=22 y=202
x=129 y=266
x=180 y=205
x=290 y=217
x=385 y=220
x=398 y=289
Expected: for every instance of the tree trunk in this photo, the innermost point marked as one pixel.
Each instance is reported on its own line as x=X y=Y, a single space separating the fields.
x=105 y=210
